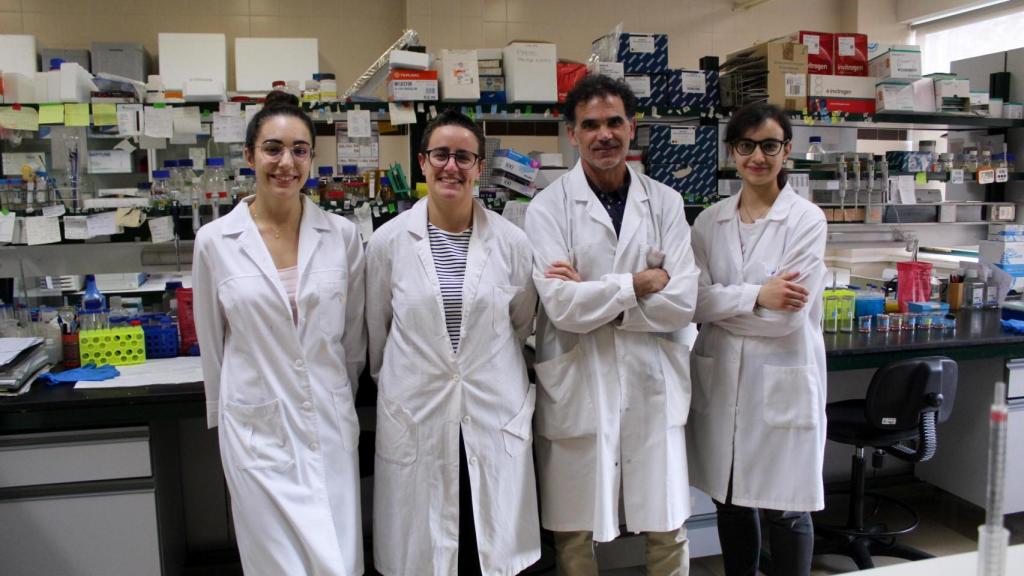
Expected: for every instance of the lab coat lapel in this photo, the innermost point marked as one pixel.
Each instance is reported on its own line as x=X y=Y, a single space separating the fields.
x=243 y=228
x=730 y=228
x=637 y=210
x=418 y=230
x=476 y=261
x=581 y=192
x=310 y=227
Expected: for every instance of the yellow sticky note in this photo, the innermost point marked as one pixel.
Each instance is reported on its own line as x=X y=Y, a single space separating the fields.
x=23 y=119
x=920 y=178
x=51 y=114
x=76 y=114
x=129 y=217
x=104 y=114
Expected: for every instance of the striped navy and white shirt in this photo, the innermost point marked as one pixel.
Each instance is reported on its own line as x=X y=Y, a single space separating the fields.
x=450 y=251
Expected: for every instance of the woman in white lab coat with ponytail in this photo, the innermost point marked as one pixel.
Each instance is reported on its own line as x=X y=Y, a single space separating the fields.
x=756 y=434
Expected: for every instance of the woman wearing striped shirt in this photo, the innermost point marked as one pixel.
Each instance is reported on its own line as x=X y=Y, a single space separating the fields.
x=449 y=303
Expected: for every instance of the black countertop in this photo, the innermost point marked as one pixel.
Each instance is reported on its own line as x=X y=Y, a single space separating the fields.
x=978 y=335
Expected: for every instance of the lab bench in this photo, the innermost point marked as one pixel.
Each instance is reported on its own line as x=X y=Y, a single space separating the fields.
x=141 y=451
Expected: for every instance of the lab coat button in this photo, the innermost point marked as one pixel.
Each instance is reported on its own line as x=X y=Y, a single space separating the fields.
x=456 y=376
x=473 y=460
x=300 y=365
x=307 y=405
x=314 y=446
x=466 y=419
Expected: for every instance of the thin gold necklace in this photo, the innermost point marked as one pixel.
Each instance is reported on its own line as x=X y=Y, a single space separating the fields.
x=274 y=229
x=746 y=211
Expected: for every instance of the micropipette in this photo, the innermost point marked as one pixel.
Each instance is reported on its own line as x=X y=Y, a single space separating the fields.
x=993 y=537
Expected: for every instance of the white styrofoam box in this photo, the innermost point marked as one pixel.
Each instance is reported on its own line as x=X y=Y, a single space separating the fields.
x=406 y=60
x=186 y=56
x=488 y=53
x=203 y=90
x=999 y=252
x=47 y=86
x=530 y=72
x=894 y=95
x=18 y=54
x=260 y=61
x=19 y=88
x=75 y=83
x=924 y=95
x=458 y=76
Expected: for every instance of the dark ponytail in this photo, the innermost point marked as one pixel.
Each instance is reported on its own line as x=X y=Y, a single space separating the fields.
x=751 y=117
x=278 y=103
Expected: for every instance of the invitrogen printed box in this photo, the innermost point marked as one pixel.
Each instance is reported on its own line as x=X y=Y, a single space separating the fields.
x=820 y=50
x=852 y=94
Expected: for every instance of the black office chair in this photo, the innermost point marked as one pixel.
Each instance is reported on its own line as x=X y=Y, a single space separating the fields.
x=905 y=400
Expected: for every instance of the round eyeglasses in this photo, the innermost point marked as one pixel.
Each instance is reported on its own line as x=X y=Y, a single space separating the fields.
x=770 y=146
x=464 y=159
x=274 y=150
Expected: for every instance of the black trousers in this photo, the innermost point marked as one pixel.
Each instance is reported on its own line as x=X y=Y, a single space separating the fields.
x=469 y=555
x=790 y=539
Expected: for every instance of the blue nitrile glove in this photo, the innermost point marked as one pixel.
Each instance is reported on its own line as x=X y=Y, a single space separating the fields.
x=1013 y=326
x=90 y=372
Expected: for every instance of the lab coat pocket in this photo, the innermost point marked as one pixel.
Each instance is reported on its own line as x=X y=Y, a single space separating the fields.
x=331 y=309
x=675 y=372
x=396 y=433
x=501 y=299
x=256 y=437
x=791 y=396
x=702 y=370
x=518 y=432
x=345 y=414
x=565 y=408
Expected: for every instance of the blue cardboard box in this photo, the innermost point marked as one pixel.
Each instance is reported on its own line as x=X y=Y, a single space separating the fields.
x=683 y=91
x=649 y=89
x=639 y=53
x=671 y=144
x=697 y=182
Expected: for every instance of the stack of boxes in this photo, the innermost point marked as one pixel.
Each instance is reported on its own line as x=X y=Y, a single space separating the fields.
x=683 y=158
x=774 y=72
x=1004 y=248
x=411 y=78
x=513 y=171
x=492 y=77
x=899 y=87
x=642 y=61
x=837 y=66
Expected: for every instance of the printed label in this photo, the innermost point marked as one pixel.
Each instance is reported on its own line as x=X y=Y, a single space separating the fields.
x=683 y=136
x=641 y=44
x=693 y=83
x=846 y=45
x=796 y=85
x=640 y=85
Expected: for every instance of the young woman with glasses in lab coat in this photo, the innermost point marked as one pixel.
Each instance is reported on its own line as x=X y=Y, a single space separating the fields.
x=757 y=424
x=278 y=297
x=449 y=302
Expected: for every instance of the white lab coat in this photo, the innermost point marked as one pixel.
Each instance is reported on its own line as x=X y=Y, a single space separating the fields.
x=282 y=395
x=427 y=393
x=613 y=369
x=759 y=375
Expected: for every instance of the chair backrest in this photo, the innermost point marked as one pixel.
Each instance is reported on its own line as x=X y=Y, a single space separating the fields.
x=901 y=391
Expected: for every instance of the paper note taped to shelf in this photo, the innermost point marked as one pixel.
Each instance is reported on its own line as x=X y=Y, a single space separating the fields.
x=76 y=227
x=159 y=122
x=23 y=119
x=905 y=187
x=401 y=113
x=161 y=229
x=129 y=217
x=228 y=128
x=186 y=120
x=13 y=161
x=104 y=114
x=359 y=124
x=102 y=224
x=51 y=113
x=41 y=230
x=76 y=114
x=129 y=119
x=7 y=227
x=54 y=211
x=231 y=108
x=147 y=143
x=110 y=162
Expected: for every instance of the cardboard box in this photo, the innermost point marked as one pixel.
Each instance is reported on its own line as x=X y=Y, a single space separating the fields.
x=786 y=82
x=18 y=54
x=408 y=60
x=123 y=59
x=851 y=94
x=488 y=54
x=505 y=181
x=1002 y=253
x=851 y=54
x=949 y=90
x=894 y=96
x=408 y=85
x=649 y=89
x=492 y=84
x=672 y=144
x=569 y=73
x=531 y=72
x=639 y=53
x=458 y=75
x=820 y=46
x=187 y=56
x=901 y=61
x=924 y=95
x=695 y=89
x=612 y=70
x=514 y=163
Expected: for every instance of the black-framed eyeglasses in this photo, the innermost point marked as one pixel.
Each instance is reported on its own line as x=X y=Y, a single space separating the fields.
x=275 y=150
x=770 y=146
x=464 y=159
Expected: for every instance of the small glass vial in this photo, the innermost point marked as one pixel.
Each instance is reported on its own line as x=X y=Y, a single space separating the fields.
x=882 y=322
x=864 y=324
x=895 y=322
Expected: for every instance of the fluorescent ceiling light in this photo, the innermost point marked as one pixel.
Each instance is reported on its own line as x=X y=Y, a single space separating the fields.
x=956 y=12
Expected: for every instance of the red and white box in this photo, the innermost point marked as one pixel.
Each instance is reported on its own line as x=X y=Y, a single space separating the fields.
x=412 y=85
x=852 y=95
x=820 y=50
x=851 y=54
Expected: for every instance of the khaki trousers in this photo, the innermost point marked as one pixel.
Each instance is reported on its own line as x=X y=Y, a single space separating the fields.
x=667 y=553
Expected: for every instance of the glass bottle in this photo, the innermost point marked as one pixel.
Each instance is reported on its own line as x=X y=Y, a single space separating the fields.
x=816 y=152
x=215 y=185
x=94 y=304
